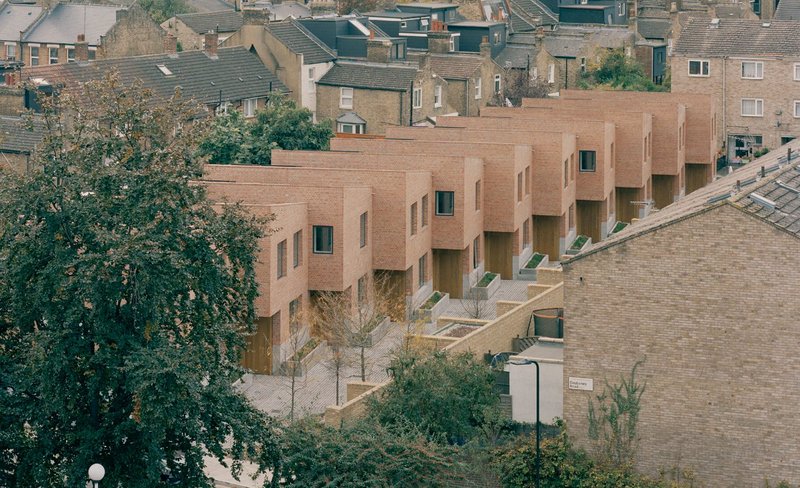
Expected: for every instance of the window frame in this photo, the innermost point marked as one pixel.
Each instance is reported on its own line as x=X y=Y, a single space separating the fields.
x=70 y=54
x=796 y=73
x=452 y=202
x=363 y=229
x=249 y=106
x=796 y=109
x=452 y=45
x=50 y=57
x=700 y=74
x=581 y=167
x=342 y=98
x=297 y=248
x=11 y=51
x=346 y=128
x=498 y=84
x=281 y=259
x=759 y=103
x=320 y=228
x=758 y=64
x=437 y=96
x=416 y=97
x=478 y=88
x=31 y=57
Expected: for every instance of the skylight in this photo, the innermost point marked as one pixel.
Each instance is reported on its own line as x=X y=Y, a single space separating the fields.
x=164 y=70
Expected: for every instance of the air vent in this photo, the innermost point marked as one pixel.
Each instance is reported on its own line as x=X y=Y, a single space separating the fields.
x=714 y=23
x=763 y=201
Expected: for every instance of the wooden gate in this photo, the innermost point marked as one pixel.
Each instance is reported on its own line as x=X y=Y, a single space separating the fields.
x=258 y=353
x=500 y=253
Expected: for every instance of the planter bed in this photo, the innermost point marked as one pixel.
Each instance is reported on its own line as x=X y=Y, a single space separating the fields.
x=379 y=331
x=312 y=352
x=433 y=306
x=486 y=287
x=579 y=244
x=618 y=227
x=457 y=329
x=538 y=260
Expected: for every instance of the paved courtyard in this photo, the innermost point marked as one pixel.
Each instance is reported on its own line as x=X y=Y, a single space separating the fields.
x=317 y=388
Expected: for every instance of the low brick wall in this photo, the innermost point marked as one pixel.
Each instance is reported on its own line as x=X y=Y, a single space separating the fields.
x=357 y=388
x=495 y=336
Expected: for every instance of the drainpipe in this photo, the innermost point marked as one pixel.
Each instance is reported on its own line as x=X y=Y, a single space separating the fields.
x=725 y=107
x=411 y=112
x=466 y=97
x=400 y=115
x=566 y=72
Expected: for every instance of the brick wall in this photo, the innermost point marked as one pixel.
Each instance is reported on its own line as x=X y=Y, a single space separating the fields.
x=709 y=303
x=12 y=101
x=134 y=34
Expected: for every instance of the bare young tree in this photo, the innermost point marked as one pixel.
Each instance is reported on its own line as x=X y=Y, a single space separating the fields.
x=472 y=303
x=347 y=321
x=293 y=367
x=519 y=84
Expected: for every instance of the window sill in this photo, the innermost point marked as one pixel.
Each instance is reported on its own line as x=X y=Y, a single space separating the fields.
x=756 y=116
x=699 y=76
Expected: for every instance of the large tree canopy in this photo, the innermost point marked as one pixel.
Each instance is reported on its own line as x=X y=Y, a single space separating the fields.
x=125 y=296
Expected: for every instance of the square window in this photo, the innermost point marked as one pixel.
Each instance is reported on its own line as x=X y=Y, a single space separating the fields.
x=424 y=209
x=323 y=239
x=297 y=248
x=282 y=259
x=345 y=97
x=752 y=107
x=588 y=161
x=445 y=202
x=752 y=70
x=698 y=67
x=363 y=226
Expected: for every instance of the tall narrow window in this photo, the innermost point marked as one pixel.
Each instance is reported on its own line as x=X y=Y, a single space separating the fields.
x=52 y=54
x=437 y=96
x=423 y=269
x=478 y=195
x=445 y=202
x=478 y=89
x=571 y=216
x=297 y=248
x=497 y=84
x=424 y=210
x=362 y=290
x=312 y=79
x=566 y=172
x=11 y=52
x=417 y=98
x=526 y=233
x=363 y=226
x=476 y=252
x=70 y=54
x=413 y=215
x=34 y=55
x=323 y=239
x=551 y=73
x=345 y=97
x=295 y=306
x=519 y=186
x=249 y=106
x=282 y=259
x=528 y=180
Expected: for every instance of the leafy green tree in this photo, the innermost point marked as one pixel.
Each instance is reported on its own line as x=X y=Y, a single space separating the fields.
x=618 y=71
x=125 y=298
x=281 y=124
x=446 y=396
x=161 y=10
x=364 y=454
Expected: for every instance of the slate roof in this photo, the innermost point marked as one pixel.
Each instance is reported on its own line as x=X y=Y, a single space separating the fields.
x=16 y=137
x=654 y=28
x=395 y=14
x=63 y=23
x=371 y=76
x=15 y=18
x=564 y=46
x=785 y=215
x=455 y=66
x=787 y=10
x=221 y=21
x=283 y=10
x=736 y=37
x=234 y=74
x=525 y=13
x=300 y=41
x=513 y=56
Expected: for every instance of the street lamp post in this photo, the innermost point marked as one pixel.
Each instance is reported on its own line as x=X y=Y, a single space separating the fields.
x=96 y=474
x=524 y=362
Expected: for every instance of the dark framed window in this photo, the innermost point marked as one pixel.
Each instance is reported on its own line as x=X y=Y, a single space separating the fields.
x=413 y=215
x=282 y=259
x=476 y=252
x=361 y=290
x=323 y=239
x=588 y=161
x=294 y=310
x=363 y=225
x=423 y=265
x=424 y=210
x=297 y=248
x=445 y=202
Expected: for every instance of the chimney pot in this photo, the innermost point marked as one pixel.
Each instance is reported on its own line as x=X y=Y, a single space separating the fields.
x=211 y=43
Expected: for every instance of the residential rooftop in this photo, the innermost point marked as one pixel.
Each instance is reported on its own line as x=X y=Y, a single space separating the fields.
x=17 y=135
x=300 y=41
x=15 y=18
x=737 y=37
x=371 y=76
x=220 y=21
x=63 y=23
x=787 y=10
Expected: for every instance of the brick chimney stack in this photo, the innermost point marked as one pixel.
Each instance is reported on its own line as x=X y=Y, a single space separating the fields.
x=438 y=42
x=485 y=47
x=81 y=49
x=211 y=42
x=379 y=50
x=170 y=44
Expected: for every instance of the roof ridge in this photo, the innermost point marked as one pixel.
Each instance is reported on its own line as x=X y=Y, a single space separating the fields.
x=312 y=37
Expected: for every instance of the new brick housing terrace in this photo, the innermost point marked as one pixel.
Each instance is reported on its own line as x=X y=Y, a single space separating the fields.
x=436 y=208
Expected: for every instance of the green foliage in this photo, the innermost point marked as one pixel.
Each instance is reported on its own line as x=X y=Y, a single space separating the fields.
x=614 y=427
x=279 y=125
x=617 y=71
x=432 y=300
x=445 y=396
x=365 y=454
x=125 y=298
x=534 y=261
x=579 y=242
x=486 y=279
x=564 y=466
x=161 y=10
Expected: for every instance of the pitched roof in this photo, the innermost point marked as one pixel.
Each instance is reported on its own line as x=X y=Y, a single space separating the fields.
x=372 y=76
x=516 y=56
x=63 y=23
x=785 y=215
x=17 y=136
x=456 y=66
x=787 y=10
x=564 y=46
x=220 y=21
x=736 y=37
x=234 y=74
x=15 y=18
x=300 y=41
x=654 y=28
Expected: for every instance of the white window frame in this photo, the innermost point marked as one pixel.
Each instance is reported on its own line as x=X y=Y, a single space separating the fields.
x=311 y=79
x=796 y=109
x=31 y=57
x=222 y=109
x=50 y=57
x=11 y=51
x=350 y=128
x=249 y=106
x=703 y=62
x=758 y=104
x=70 y=54
x=346 y=97
x=759 y=68
x=92 y=53
x=796 y=73
x=452 y=43
x=437 y=96
x=551 y=73
x=403 y=24
x=416 y=97
x=478 y=88
x=498 y=84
